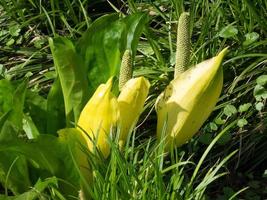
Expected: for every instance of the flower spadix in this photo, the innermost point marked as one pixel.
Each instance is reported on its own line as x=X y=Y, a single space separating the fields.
x=104 y=112
x=188 y=100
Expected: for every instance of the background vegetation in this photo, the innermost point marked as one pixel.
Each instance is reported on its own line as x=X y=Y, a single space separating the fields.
x=32 y=106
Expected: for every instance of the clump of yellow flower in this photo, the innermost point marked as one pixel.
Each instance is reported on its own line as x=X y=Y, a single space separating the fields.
x=188 y=101
x=104 y=112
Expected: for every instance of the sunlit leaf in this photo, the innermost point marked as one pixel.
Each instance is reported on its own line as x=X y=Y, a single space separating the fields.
x=229 y=110
x=228 y=32
x=250 y=38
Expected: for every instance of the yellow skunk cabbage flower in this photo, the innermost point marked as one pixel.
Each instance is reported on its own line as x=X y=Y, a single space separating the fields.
x=98 y=118
x=104 y=112
x=131 y=102
x=188 y=101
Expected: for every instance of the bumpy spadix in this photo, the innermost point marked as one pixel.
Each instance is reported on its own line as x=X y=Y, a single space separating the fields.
x=188 y=101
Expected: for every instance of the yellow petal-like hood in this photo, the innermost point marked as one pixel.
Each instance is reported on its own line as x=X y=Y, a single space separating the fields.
x=98 y=118
x=131 y=102
x=188 y=101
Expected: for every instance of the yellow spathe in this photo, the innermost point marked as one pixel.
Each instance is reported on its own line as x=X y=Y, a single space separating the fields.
x=131 y=102
x=98 y=118
x=188 y=101
x=104 y=112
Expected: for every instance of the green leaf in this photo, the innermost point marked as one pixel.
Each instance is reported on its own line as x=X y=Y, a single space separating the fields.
x=228 y=32
x=35 y=107
x=219 y=121
x=104 y=43
x=259 y=106
x=29 y=127
x=229 y=110
x=205 y=138
x=38 y=188
x=262 y=80
x=244 y=107
x=6 y=96
x=49 y=155
x=14 y=30
x=242 y=122
x=251 y=38
x=55 y=109
x=18 y=104
x=77 y=147
x=260 y=92
x=228 y=192
x=16 y=114
x=10 y=42
x=14 y=173
x=225 y=138
x=96 y=57
x=3 y=119
x=213 y=126
x=2 y=69
x=71 y=71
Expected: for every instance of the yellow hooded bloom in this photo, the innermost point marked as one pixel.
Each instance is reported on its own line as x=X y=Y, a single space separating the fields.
x=188 y=101
x=98 y=118
x=131 y=102
x=104 y=112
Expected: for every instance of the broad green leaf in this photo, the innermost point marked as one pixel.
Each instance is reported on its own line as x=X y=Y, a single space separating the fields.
x=12 y=96
x=16 y=114
x=36 y=191
x=3 y=119
x=77 y=147
x=71 y=71
x=29 y=127
x=14 y=173
x=35 y=106
x=55 y=109
x=47 y=155
x=6 y=96
x=104 y=43
x=95 y=57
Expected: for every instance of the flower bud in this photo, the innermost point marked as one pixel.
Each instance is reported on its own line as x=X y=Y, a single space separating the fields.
x=98 y=118
x=188 y=101
x=131 y=102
